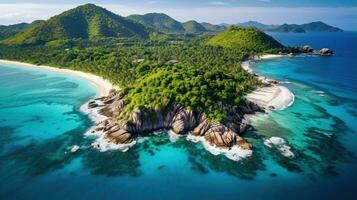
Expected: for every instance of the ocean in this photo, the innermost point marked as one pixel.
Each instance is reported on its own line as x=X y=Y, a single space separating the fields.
x=40 y=120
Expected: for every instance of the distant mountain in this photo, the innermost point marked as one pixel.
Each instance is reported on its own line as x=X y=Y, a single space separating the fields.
x=288 y=28
x=250 y=39
x=224 y=25
x=159 y=22
x=193 y=27
x=164 y=23
x=11 y=30
x=90 y=21
x=309 y=27
x=86 y=21
x=258 y=25
x=319 y=27
x=212 y=27
x=291 y=28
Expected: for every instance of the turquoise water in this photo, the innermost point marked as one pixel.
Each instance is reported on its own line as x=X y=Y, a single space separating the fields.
x=40 y=121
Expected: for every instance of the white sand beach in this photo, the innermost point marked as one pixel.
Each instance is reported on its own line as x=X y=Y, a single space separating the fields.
x=103 y=85
x=275 y=97
x=269 y=56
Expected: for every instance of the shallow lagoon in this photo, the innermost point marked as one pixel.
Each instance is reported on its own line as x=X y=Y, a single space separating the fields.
x=40 y=121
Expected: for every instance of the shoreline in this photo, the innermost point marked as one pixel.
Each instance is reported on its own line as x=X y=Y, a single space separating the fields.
x=269 y=97
x=273 y=96
x=103 y=89
x=103 y=86
x=276 y=96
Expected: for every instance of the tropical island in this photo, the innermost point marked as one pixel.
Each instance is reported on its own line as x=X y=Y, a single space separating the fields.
x=170 y=75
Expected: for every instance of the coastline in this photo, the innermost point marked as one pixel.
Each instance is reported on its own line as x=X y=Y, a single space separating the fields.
x=269 y=97
x=272 y=96
x=103 y=85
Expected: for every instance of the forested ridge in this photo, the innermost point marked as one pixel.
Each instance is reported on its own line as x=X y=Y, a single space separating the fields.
x=86 y=21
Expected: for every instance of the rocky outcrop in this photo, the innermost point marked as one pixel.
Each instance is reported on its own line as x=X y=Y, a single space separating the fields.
x=176 y=118
x=92 y=104
x=323 y=52
x=220 y=135
x=307 y=49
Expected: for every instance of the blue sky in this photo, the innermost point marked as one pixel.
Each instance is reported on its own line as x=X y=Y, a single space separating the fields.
x=342 y=13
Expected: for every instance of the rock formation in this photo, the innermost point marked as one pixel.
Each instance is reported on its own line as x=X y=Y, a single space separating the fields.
x=177 y=118
x=307 y=49
x=323 y=52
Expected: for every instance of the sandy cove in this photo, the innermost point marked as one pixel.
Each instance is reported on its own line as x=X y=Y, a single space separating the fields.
x=269 y=97
x=103 y=85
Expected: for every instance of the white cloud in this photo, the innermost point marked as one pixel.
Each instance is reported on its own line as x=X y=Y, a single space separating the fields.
x=153 y=2
x=27 y=12
x=218 y=3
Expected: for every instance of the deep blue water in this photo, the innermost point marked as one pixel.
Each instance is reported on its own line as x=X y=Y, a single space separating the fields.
x=40 y=121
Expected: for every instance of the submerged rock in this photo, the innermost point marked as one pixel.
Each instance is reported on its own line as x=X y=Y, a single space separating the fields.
x=281 y=145
x=74 y=148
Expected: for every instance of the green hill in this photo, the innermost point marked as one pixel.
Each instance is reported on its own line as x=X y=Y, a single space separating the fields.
x=193 y=27
x=258 y=25
x=8 y=31
x=212 y=27
x=248 y=39
x=11 y=30
x=159 y=22
x=86 y=21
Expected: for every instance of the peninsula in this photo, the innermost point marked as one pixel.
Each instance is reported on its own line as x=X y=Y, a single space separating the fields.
x=190 y=83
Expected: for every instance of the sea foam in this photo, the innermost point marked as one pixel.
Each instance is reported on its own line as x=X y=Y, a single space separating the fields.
x=234 y=153
x=280 y=144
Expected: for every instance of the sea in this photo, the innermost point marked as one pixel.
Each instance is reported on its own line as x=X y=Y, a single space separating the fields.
x=41 y=121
